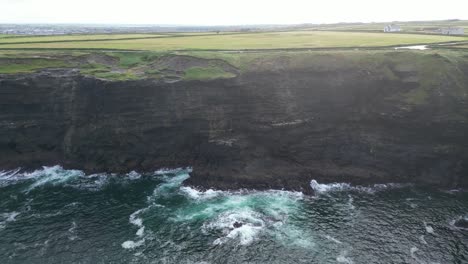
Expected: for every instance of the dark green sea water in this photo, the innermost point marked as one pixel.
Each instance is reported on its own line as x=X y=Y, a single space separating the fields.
x=64 y=216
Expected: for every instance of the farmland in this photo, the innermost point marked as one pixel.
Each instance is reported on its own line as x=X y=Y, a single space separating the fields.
x=226 y=41
x=411 y=27
x=133 y=56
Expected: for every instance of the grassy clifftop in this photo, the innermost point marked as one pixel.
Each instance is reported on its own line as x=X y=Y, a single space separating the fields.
x=429 y=73
x=208 y=55
x=211 y=65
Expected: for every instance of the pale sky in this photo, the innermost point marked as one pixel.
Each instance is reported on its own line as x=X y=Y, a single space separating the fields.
x=233 y=12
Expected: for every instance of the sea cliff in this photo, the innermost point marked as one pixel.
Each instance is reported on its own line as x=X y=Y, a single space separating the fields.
x=263 y=120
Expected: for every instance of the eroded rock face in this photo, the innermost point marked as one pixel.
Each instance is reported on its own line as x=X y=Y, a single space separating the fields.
x=270 y=127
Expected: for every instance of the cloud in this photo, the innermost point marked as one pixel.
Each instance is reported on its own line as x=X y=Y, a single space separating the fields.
x=219 y=12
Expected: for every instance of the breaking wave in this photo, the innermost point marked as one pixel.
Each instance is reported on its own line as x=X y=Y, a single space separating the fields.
x=57 y=175
x=239 y=217
x=321 y=188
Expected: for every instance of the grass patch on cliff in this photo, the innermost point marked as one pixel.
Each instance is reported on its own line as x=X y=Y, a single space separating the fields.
x=94 y=68
x=206 y=73
x=131 y=59
x=116 y=76
x=31 y=65
x=417 y=97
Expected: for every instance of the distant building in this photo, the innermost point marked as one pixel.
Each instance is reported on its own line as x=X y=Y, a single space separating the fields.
x=451 y=31
x=392 y=28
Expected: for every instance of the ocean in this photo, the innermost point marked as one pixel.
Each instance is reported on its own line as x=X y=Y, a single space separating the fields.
x=55 y=215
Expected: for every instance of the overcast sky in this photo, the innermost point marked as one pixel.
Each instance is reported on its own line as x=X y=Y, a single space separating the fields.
x=233 y=12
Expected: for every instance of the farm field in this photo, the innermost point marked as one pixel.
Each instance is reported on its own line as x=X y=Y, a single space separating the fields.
x=238 y=41
x=13 y=39
x=23 y=39
x=413 y=26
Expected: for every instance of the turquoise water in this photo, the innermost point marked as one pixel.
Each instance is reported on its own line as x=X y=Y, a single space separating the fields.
x=64 y=216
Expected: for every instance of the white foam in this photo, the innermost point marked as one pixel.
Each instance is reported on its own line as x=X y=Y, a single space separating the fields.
x=135 y=220
x=140 y=231
x=7 y=218
x=200 y=195
x=350 y=202
x=52 y=175
x=251 y=221
x=333 y=239
x=171 y=182
x=164 y=171
x=133 y=244
x=56 y=175
x=422 y=240
x=322 y=188
x=429 y=228
x=221 y=214
x=11 y=177
x=72 y=231
x=133 y=175
x=6 y=175
x=94 y=182
x=413 y=251
x=343 y=258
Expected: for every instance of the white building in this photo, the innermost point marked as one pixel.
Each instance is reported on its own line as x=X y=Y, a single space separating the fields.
x=452 y=31
x=392 y=28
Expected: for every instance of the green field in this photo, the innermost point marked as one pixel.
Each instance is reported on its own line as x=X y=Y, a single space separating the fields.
x=30 y=65
x=12 y=39
x=135 y=56
x=238 y=41
x=3 y=36
x=22 y=39
x=413 y=26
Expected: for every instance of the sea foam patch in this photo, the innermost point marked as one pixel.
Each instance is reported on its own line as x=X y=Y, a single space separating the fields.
x=241 y=225
x=57 y=175
x=6 y=218
x=343 y=258
x=52 y=176
x=321 y=188
x=133 y=244
x=239 y=217
x=200 y=195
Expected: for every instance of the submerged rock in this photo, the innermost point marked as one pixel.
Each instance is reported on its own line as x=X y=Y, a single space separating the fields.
x=237 y=224
x=462 y=223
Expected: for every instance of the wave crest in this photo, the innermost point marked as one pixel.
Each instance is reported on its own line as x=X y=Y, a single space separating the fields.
x=321 y=188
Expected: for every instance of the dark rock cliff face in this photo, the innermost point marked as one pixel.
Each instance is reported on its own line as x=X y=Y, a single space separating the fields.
x=271 y=127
